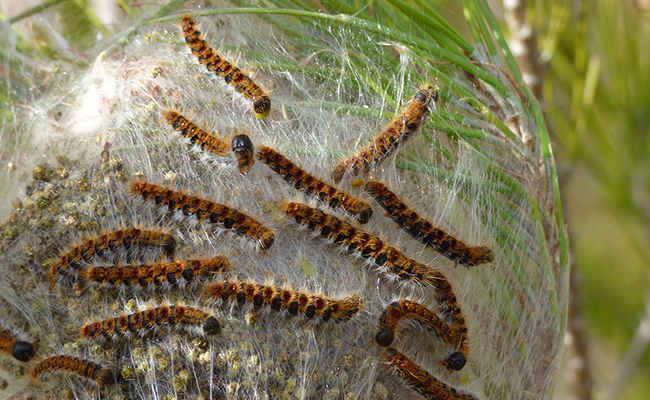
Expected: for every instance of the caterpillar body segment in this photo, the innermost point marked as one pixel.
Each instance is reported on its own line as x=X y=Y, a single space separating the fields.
x=175 y=272
x=302 y=180
x=398 y=310
x=277 y=298
x=398 y=131
x=70 y=260
x=100 y=375
x=195 y=134
x=142 y=322
x=206 y=210
x=424 y=231
x=230 y=73
x=423 y=382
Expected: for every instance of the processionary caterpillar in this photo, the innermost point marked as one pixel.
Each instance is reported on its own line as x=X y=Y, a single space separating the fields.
x=231 y=74
x=243 y=148
x=206 y=210
x=155 y=273
x=11 y=346
x=421 y=229
x=82 y=367
x=398 y=310
x=302 y=180
x=310 y=305
x=121 y=237
x=373 y=248
x=142 y=321
x=392 y=136
x=422 y=381
x=196 y=135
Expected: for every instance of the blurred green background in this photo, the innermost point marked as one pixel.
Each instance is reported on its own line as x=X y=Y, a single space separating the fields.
x=593 y=68
x=597 y=61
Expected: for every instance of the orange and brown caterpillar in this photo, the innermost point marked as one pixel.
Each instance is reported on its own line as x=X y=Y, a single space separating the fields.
x=302 y=180
x=206 y=210
x=423 y=382
x=398 y=310
x=11 y=346
x=310 y=305
x=82 y=367
x=143 y=321
x=231 y=74
x=243 y=148
x=108 y=241
x=355 y=239
x=155 y=273
x=373 y=248
x=196 y=135
x=422 y=230
x=392 y=136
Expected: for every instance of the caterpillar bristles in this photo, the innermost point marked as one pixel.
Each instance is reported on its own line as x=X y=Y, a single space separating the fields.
x=100 y=375
x=142 y=322
x=176 y=272
x=230 y=73
x=206 y=210
x=88 y=248
x=424 y=231
x=398 y=131
x=398 y=310
x=315 y=187
x=195 y=134
x=307 y=304
x=423 y=382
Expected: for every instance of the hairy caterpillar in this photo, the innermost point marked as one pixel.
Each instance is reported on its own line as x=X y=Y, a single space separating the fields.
x=142 y=321
x=384 y=255
x=121 y=237
x=204 y=209
x=315 y=187
x=82 y=367
x=231 y=74
x=425 y=383
x=422 y=230
x=310 y=305
x=11 y=346
x=196 y=135
x=398 y=310
x=392 y=136
x=155 y=273
x=243 y=148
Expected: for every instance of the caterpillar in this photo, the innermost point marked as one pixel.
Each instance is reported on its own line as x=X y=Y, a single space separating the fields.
x=398 y=310
x=370 y=247
x=310 y=305
x=142 y=321
x=423 y=382
x=98 y=244
x=11 y=346
x=302 y=180
x=196 y=135
x=392 y=136
x=384 y=255
x=422 y=230
x=243 y=148
x=82 y=367
x=206 y=210
x=155 y=273
x=230 y=73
